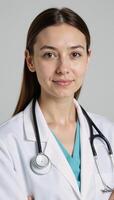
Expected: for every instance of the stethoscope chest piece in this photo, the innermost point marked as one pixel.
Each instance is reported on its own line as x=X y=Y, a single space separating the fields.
x=40 y=164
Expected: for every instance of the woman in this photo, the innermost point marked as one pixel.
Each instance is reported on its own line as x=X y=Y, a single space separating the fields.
x=56 y=60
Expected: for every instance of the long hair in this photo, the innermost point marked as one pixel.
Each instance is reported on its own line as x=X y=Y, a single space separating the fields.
x=52 y=16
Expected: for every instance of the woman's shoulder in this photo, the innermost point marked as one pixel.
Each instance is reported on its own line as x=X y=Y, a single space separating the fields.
x=101 y=121
x=14 y=126
x=100 y=118
x=11 y=126
x=105 y=125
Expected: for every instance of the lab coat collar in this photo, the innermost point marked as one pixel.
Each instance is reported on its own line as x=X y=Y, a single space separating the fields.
x=53 y=151
x=28 y=123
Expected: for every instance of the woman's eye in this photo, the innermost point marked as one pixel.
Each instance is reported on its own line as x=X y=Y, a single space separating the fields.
x=75 y=54
x=49 y=55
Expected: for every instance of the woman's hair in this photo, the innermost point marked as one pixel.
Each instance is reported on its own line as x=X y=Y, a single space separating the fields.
x=50 y=17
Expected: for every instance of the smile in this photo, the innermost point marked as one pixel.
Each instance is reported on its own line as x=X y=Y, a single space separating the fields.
x=63 y=82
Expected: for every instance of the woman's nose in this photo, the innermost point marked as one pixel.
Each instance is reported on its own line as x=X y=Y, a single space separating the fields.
x=63 y=66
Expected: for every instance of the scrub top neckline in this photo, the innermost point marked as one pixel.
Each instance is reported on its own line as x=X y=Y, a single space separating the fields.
x=75 y=145
x=74 y=160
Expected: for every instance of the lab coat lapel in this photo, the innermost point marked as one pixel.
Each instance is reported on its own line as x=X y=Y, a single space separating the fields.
x=87 y=161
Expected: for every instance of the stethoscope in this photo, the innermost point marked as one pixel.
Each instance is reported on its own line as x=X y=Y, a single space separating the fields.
x=41 y=163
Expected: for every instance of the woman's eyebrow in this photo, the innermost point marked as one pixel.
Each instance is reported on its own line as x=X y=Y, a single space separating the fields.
x=54 y=48
x=77 y=46
x=48 y=47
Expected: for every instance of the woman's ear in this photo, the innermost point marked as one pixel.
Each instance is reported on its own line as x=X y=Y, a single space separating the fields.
x=29 y=61
x=89 y=54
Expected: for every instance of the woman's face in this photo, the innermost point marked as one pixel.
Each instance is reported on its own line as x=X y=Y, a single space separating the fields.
x=60 y=60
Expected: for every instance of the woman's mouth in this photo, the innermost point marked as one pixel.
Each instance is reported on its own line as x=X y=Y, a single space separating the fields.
x=63 y=82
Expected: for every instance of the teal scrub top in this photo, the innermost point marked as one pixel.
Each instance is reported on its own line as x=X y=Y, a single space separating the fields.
x=74 y=160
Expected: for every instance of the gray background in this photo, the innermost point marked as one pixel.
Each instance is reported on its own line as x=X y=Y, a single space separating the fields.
x=15 y=17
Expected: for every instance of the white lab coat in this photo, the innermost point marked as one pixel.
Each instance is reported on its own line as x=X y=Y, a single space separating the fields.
x=18 y=146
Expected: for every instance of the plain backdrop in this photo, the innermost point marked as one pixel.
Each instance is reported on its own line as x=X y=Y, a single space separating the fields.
x=15 y=17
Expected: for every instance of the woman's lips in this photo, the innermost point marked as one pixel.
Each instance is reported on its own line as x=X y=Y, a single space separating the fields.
x=63 y=82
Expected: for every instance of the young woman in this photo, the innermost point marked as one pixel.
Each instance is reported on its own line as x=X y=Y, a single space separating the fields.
x=46 y=149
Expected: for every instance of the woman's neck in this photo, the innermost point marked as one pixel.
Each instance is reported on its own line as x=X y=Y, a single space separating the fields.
x=58 y=110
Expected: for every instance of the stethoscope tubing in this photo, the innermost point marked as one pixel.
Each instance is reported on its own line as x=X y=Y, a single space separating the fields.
x=99 y=135
x=36 y=126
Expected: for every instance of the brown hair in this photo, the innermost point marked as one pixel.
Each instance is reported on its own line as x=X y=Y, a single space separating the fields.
x=52 y=16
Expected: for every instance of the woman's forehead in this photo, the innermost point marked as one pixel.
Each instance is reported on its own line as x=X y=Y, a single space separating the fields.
x=59 y=35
